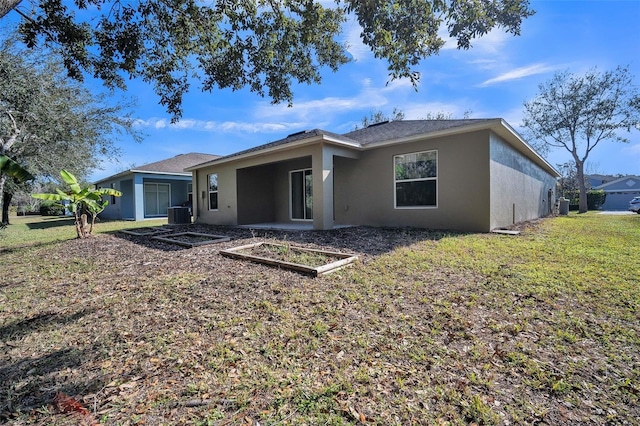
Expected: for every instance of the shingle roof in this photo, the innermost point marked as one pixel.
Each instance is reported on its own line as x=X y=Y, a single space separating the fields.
x=173 y=165
x=385 y=131
x=294 y=137
x=393 y=130
x=176 y=164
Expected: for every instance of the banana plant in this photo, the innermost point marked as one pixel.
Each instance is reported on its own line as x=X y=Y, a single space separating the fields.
x=13 y=169
x=80 y=202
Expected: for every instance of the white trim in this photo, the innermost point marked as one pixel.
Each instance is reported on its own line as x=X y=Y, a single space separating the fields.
x=395 y=181
x=144 y=199
x=498 y=126
x=281 y=147
x=304 y=205
x=145 y=172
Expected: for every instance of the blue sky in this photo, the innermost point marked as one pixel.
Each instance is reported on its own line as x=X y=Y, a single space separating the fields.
x=492 y=79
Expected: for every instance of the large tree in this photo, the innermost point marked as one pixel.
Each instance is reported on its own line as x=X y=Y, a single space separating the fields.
x=265 y=45
x=578 y=112
x=49 y=122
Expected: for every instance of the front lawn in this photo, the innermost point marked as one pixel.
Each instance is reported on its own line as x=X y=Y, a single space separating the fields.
x=426 y=328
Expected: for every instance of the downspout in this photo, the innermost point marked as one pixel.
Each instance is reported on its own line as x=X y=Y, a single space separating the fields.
x=194 y=196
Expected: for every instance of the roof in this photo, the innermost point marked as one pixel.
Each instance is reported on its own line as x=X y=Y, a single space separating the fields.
x=390 y=132
x=624 y=183
x=393 y=130
x=170 y=166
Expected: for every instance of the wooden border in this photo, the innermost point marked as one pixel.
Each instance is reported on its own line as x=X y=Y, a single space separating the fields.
x=345 y=259
x=213 y=239
x=156 y=230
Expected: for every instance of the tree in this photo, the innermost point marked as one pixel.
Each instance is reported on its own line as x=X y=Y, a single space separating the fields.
x=9 y=168
x=578 y=112
x=13 y=169
x=80 y=201
x=380 y=117
x=48 y=122
x=568 y=181
x=263 y=45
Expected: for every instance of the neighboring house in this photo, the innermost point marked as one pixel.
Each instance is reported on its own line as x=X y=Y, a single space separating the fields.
x=597 y=180
x=469 y=175
x=619 y=192
x=148 y=190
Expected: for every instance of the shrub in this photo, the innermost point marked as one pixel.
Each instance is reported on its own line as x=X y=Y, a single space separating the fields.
x=51 y=209
x=595 y=199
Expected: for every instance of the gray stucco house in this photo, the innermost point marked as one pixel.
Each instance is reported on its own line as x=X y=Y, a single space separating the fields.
x=619 y=192
x=148 y=190
x=469 y=175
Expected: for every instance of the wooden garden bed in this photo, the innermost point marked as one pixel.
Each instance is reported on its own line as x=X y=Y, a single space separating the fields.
x=148 y=231
x=309 y=261
x=191 y=239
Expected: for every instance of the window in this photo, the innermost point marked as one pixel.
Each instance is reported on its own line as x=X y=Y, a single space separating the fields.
x=301 y=194
x=156 y=199
x=416 y=178
x=113 y=197
x=190 y=194
x=213 y=191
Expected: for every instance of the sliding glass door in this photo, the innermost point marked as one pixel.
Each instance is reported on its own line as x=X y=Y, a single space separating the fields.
x=301 y=184
x=156 y=199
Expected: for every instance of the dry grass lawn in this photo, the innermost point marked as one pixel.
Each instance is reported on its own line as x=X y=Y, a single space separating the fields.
x=427 y=327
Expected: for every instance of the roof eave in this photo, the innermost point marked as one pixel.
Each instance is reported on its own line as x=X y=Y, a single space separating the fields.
x=283 y=147
x=133 y=171
x=498 y=125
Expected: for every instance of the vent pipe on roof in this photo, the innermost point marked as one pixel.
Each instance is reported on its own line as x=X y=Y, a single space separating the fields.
x=298 y=133
x=379 y=123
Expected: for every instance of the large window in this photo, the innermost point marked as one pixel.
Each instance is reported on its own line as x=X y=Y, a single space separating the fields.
x=301 y=195
x=416 y=179
x=213 y=191
x=156 y=199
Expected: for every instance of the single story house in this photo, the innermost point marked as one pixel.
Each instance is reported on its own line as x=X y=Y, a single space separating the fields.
x=468 y=175
x=149 y=190
x=598 y=179
x=619 y=192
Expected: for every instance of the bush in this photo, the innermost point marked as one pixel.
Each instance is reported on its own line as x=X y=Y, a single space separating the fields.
x=595 y=199
x=51 y=209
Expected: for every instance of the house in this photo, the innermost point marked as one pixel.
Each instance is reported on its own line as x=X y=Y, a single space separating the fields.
x=469 y=175
x=619 y=192
x=597 y=179
x=148 y=190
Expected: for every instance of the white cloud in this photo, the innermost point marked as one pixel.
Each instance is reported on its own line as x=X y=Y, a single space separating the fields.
x=319 y=111
x=490 y=43
x=519 y=73
x=215 y=126
x=633 y=149
x=358 y=50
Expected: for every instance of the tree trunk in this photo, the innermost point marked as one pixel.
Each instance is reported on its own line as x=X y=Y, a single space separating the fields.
x=7 y=5
x=3 y=179
x=84 y=225
x=6 y=202
x=582 y=204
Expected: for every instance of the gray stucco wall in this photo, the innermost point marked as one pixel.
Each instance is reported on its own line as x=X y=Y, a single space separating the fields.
x=272 y=170
x=365 y=194
x=480 y=178
x=519 y=187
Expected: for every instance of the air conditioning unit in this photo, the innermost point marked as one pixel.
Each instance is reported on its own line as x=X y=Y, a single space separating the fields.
x=178 y=215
